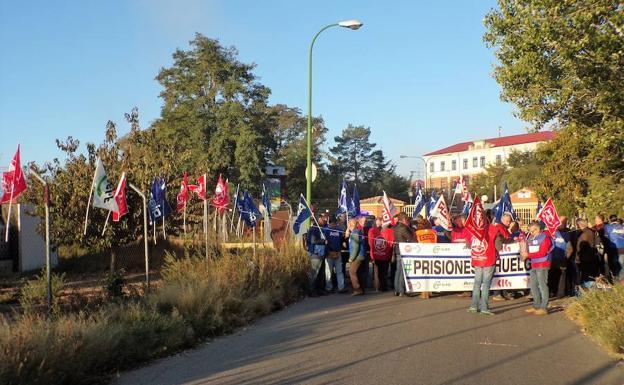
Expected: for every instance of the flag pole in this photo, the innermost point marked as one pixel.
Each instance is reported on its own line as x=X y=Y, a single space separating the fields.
x=145 y=235
x=90 y=195
x=46 y=202
x=105 y=223
x=234 y=208
x=253 y=232
x=205 y=215
x=314 y=217
x=154 y=227
x=184 y=219
x=6 y=235
x=163 y=225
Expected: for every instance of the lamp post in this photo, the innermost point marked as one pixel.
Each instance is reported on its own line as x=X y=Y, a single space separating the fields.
x=424 y=163
x=351 y=24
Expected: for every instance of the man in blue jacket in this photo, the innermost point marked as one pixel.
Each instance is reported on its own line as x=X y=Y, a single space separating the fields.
x=316 y=244
x=333 y=259
x=614 y=232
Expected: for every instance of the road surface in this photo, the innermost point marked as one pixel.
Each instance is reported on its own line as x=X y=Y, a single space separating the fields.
x=382 y=339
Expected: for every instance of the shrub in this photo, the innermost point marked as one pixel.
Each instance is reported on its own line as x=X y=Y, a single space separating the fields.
x=34 y=292
x=600 y=312
x=200 y=298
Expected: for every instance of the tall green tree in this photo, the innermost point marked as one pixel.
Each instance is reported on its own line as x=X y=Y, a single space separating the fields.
x=356 y=158
x=215 y=114
x=562 y=64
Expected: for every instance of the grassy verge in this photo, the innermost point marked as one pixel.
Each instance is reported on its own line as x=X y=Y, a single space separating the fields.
x=199 y=298
x=601 y=313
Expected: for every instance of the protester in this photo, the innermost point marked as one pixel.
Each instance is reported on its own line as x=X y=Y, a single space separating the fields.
x=558 y=265
x=459 y=234
x=424 y=233
x=615 y=235
x=402 y=233
x=381 y=253
x=503 y=237
x=363 y=272
x=484 y=255
x=316 y=250
x=539 y=246
x=357 y=255
x=587 y=257
x=599 y=224
x=442 y=235
x=333 y=260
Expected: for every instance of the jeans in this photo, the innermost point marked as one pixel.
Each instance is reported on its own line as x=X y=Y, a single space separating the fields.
x=621 y=262
x=315 y=263
x=481 y=288
x=381 y=275
x=399 y=280
x=330 y=265
x=539 y=287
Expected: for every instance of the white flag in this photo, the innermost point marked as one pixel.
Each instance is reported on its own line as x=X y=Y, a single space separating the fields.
x=441 y=211
x=388 y=211
x=103 y=190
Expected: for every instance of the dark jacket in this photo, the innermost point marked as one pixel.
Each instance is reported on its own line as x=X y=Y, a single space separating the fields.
x=402 y=233
x=587 y=254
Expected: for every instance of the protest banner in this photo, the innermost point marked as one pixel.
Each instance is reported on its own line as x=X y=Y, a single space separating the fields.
x=446 y=267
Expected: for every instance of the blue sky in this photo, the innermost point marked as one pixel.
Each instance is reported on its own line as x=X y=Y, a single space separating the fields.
x=418 y=72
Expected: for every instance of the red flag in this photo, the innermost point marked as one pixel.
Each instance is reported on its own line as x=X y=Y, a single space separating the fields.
x=549 y=216
x=183 y=194
x=13 y=181
x=221 y=198
x=120 y=198
x=199 y=188
x=388 y=211
x=477 y=223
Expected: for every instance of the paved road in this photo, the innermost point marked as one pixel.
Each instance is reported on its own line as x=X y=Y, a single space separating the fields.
x=382 y=339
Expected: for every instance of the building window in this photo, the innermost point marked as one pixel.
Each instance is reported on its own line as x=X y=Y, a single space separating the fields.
x=442 y=166
x=499 y=160
x=482 y=161
x=474 y=162
x=454 y=165
x=465 y=164
x=431 y=167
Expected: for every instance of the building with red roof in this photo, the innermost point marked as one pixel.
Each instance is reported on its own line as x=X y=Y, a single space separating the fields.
x=466 y=159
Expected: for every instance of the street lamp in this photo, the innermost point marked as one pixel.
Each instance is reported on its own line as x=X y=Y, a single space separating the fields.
x=350 y=24
x=424 y=162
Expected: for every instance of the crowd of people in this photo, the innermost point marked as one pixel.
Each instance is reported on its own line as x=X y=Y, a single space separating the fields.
x=574 y=257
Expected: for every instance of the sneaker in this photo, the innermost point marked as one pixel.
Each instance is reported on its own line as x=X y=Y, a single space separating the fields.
x=498 y=298
x=486 y=312
x=357 y=292
x=531 y=310
x=343 y=291
x=540 y=312
x=472 y=309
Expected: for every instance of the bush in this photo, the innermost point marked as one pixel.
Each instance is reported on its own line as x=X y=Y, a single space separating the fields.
x=34 y=292
x=200 y=298
x=600 y=311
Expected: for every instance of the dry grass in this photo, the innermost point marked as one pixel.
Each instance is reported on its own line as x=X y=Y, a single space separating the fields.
x=600 y=312
x=200 y=298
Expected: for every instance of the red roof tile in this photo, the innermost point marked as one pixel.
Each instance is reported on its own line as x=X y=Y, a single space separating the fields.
x=511 y=140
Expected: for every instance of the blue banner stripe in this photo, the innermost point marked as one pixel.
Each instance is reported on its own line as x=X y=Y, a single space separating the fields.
x=465 y=276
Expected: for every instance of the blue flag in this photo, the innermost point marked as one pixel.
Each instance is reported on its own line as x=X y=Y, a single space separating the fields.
x=158 y=204
x=355 y=201
x=467 y=206
x=432 y=202
x=419 y=203
x=250 y=213
x=266 y=201
x=303 y=214
x=345 y=205
x=504 y=206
